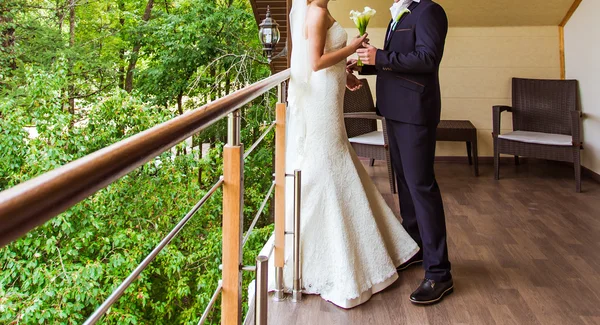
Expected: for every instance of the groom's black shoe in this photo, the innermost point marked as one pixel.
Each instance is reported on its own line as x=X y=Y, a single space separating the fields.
x=430 y=292
x=415 y=260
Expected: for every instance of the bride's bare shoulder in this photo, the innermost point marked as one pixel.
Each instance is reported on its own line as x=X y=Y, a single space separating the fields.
x=316 y=16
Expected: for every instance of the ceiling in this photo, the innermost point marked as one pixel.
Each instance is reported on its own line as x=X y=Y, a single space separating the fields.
x=469 y=13
x=461 y=13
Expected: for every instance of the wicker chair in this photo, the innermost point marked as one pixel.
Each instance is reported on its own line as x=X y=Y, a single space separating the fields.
x=361 y=127
x=546 y=124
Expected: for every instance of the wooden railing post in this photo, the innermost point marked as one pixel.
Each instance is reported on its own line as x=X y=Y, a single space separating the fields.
x=279 y=193
x=233 y=189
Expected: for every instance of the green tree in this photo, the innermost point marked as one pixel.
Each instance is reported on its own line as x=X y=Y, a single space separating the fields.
x=66 y=68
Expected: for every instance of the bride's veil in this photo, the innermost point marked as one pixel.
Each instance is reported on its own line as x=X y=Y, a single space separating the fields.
x=299 y=90
x=299 y=85
x=300 y=66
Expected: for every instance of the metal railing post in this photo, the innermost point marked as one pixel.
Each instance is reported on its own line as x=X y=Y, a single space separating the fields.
x=261 y=291
x=297 y=290
x=233 y=189
x=282 y=92
x=279 y=199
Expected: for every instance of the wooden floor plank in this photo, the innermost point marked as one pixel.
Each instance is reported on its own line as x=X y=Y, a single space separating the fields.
x=524 y=250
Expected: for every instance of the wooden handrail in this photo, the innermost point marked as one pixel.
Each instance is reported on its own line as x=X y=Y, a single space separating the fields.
x=32 y=203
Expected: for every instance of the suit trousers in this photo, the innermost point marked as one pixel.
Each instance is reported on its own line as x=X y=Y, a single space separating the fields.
x=412 y=150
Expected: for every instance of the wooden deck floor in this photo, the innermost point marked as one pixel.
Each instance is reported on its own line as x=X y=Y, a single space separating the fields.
x=524 y=250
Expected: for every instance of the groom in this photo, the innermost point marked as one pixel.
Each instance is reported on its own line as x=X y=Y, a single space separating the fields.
x=408 y=96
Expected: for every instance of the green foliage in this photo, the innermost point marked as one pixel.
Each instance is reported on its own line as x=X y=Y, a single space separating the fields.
x=190 y=51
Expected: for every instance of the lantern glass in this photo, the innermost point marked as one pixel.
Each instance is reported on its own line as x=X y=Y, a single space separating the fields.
x=275 y=35
x=269 y=35
x=266 y=36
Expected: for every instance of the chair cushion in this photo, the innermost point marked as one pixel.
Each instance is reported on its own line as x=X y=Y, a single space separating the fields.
x=539 y=138
x=374 y=138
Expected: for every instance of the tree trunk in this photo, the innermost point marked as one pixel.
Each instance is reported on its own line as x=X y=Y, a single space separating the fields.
x=220 y=87
x=180 y=103
x=227 y=84
x=8 y=36
x=60 y=16
x=213 y=74
x=136 y=50
x=180 y=111
x=122 y=51
x=71 y=93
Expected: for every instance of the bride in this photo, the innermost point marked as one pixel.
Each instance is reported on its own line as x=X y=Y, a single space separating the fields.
x=351 y=241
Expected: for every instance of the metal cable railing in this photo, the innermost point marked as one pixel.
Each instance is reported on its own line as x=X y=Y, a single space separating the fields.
x=260 y=139
x=271 y=250
x=211 y=303
x=30 y=204
x=258 y=214
x=118 y=292
x=251 y=304
x=251 y=315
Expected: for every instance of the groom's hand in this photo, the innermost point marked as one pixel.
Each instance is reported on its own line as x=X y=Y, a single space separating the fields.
x=367 y=54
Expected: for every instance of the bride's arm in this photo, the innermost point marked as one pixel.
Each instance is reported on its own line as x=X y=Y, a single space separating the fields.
x=317 y=25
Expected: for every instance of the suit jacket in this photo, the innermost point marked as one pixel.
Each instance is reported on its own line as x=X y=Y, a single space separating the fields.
x=407 y=68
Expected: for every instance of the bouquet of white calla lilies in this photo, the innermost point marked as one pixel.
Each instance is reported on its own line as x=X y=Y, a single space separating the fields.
x=361 y=20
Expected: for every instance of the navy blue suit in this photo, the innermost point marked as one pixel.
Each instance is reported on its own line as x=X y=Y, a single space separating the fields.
x=408 y=96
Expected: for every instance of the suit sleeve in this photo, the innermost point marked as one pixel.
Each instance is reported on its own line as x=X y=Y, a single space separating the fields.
x=431 y=30
x=367 y=70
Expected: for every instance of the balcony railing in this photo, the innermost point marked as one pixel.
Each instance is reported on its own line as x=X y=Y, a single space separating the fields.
x=32 y=203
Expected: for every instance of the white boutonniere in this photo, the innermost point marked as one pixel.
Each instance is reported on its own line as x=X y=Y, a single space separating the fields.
x=398 y=10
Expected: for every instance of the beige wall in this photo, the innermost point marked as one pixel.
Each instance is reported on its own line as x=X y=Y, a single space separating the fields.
x=582 y=50
x=477 y=69
x=469 y=13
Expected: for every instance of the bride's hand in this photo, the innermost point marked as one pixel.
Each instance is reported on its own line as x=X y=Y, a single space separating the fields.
x=358 y=41
x=352 y=82
x=351 y=65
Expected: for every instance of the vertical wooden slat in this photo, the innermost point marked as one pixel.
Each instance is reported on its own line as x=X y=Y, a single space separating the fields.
x=231 y=311
x=561 y=45
x=561 y=37
x=279 y=184
x=288 y=8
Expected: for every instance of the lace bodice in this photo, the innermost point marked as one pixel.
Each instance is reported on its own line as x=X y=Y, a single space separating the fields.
x=336 y=38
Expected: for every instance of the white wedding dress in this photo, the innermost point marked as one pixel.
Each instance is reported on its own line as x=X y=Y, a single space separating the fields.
x=351 y=241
